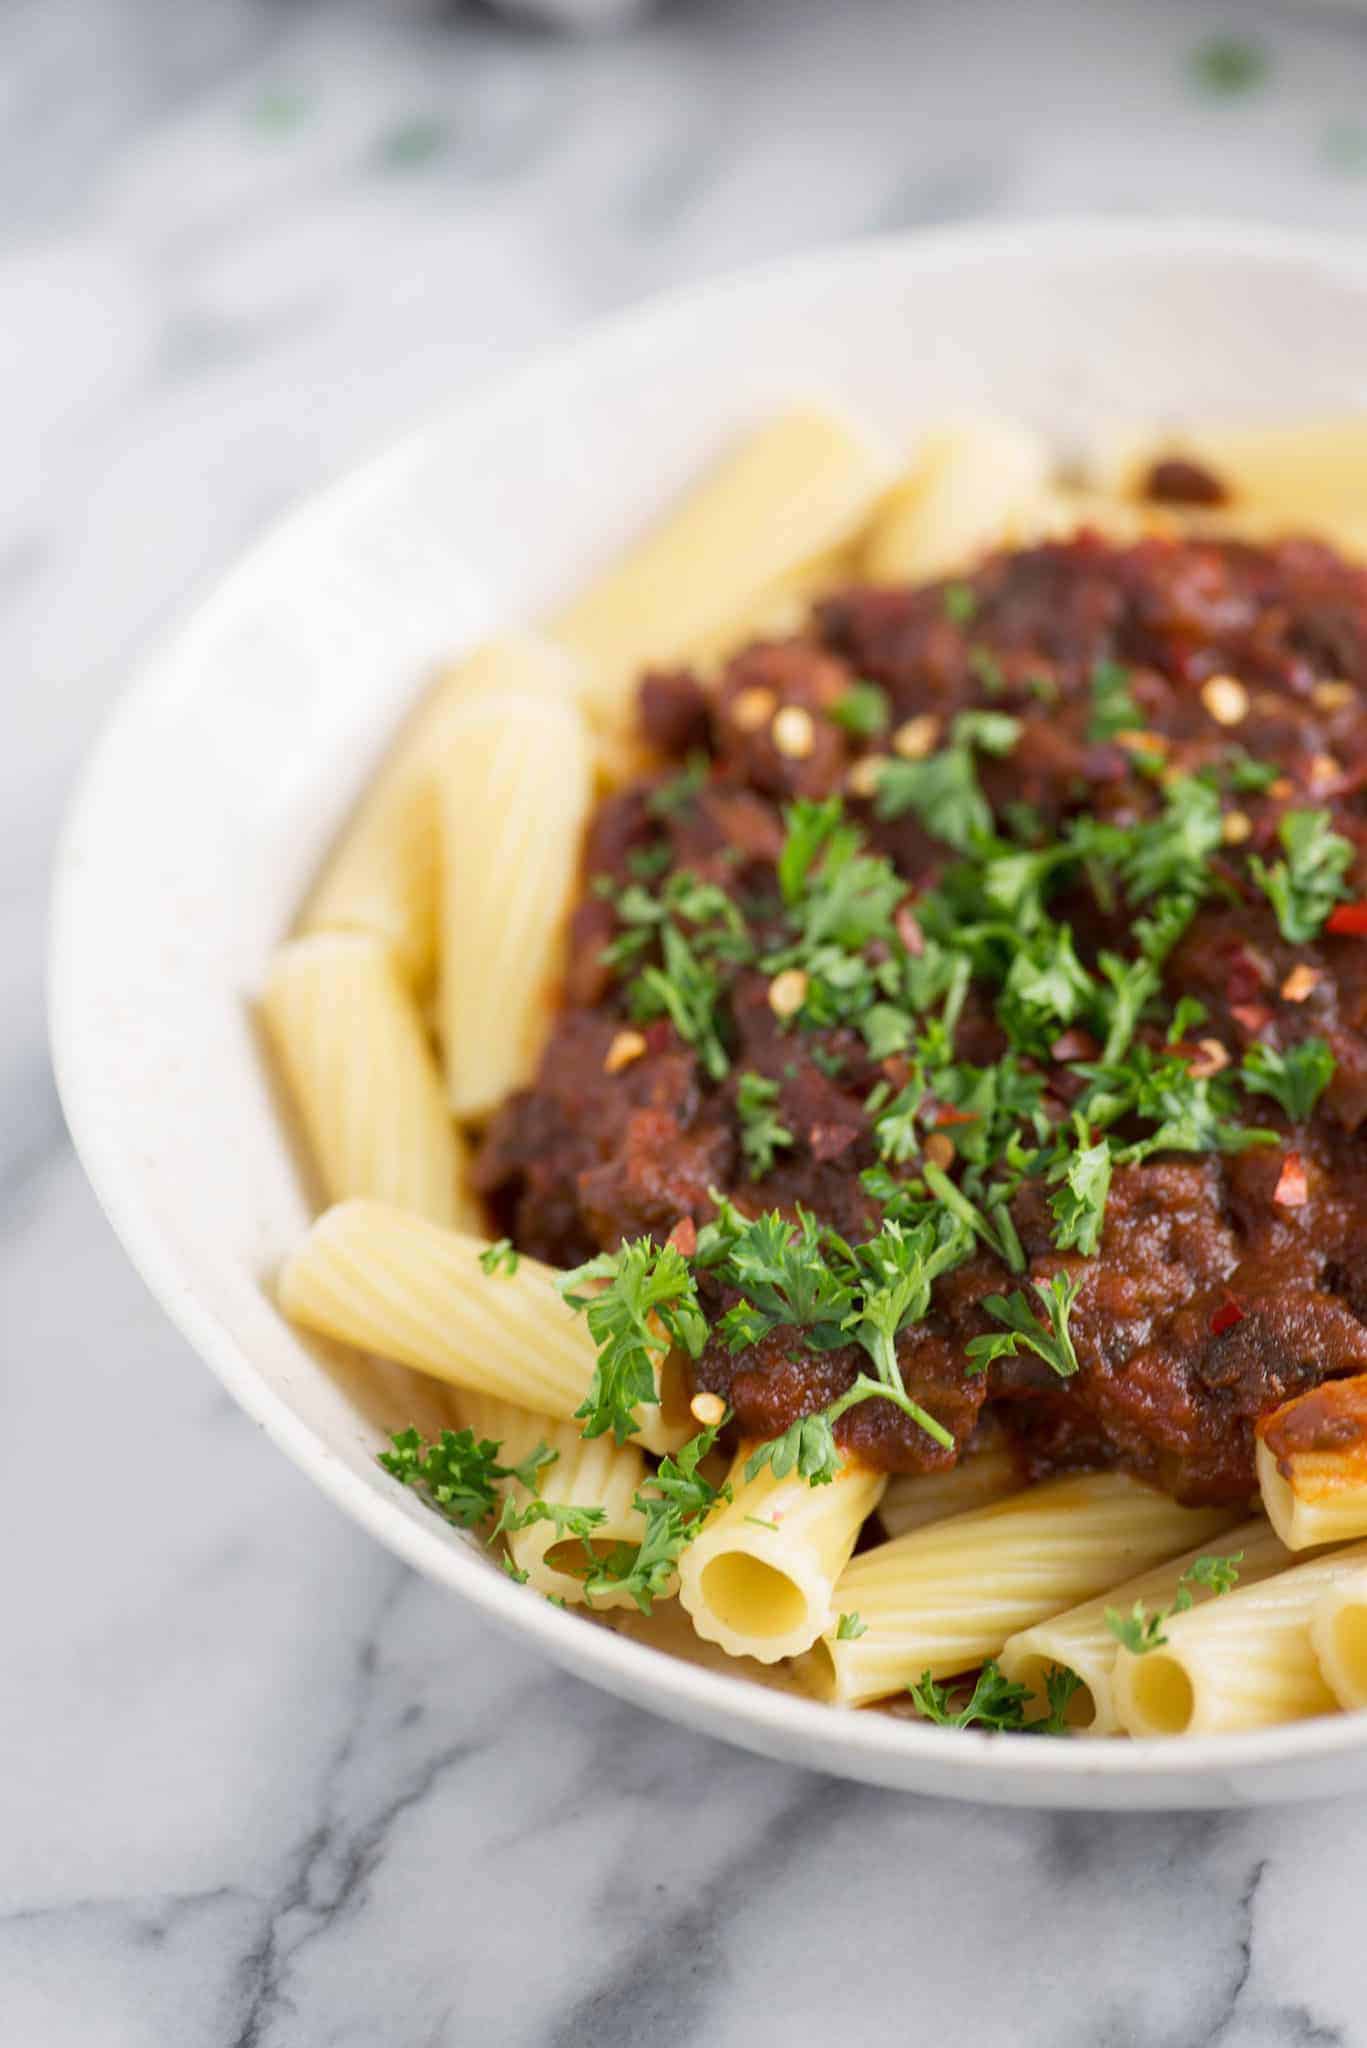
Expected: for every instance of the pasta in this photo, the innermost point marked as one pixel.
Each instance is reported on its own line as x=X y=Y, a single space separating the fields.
x=363 y=1077
x=759 y=1578
x=514 y=789
x=915 y=1498
x=1312 y=1465
x=1244 y=1661
x=968 y=490
x=1081 y=1639
x=785 y=495
x=382 y=876
x=386 y=1281
x=830 y=879
x=586 y=1473
x=947 y=1596
x=1338 y=1636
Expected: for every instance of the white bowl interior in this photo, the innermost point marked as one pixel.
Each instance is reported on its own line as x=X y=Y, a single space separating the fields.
x=214 y=792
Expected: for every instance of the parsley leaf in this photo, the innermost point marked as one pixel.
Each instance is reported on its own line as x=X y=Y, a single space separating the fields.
x=1053 y=1343
x=863 y=710
x=960 y=602
x=1139 y=1631
x=677 y=791
x=995 y=1702
x=849 y=1628
x=762 y=1136
x=1079 y=1205
x=646 y=1285
x=459 y=1473
x=1304 y=887
x=675 y=1501
x=943 y=789
x=1113 y=708
x=1295 y=1078
x=499 y=1257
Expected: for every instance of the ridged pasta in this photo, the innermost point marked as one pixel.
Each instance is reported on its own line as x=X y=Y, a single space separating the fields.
x=389 y=1282
x=787 y=493
x=1306 y=475
x=1316 y=1495
x=585 y=1474
x=1243 y=1661
x=1080 y=1639
x=362 y=1074
x=515 y=786
x=946 y=1597
x=758 y=1581
x=970 y=487
x=382 y=876
x=914 y=1499
x=1338 y=1636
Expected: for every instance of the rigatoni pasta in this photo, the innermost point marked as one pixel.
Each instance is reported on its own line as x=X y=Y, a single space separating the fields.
x=1312 y=1464
x=759 y=1578
x=984 y=1473
x=970 y=486
x=390 y=1282
x=514 y=783
x=363 y=1076
x=382 y=876
x=780 y=498
x=946 y=1597
x=1338 y=1637
x=1244 y=1661
x=1086 y=1640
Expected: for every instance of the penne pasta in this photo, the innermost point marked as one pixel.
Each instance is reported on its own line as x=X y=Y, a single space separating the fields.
x=1306 y=475
x=1312 y=1464
x=947 y=1596
x=514 y=791
x=1081 y=1639
x=758 y=1581
x=1338 y=1636
x=915 y=1498
x=382 y=876
x=1244 y=1661
x=361 y=1073
x=971 y=487
x=586 y=1473
x=389 y=1282
x=787 y=494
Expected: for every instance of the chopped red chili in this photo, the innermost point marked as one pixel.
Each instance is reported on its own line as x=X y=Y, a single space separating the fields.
x=1225 y=1318
x=1348 y=920
x=1291 y=1190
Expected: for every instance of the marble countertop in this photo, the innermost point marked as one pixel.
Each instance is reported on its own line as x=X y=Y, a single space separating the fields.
x=263 y=1788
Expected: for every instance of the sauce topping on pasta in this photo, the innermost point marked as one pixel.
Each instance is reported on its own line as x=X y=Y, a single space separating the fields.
x=1014 y=911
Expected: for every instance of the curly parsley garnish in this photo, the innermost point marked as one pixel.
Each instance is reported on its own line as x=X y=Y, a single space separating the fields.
x=1050 y=1341
x=1139 y=1631
x=648 y=1302
x=499 y=1257
x=1304 y=887
x=1295 y=1079
x=997 y=1704
x=762 y=1135
x=459 y=1473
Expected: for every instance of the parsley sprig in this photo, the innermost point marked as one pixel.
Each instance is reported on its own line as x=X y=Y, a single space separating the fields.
x=459 y=1473
x=1304 y=886
x=996 y=1703
x=648 y=1302
x=1139 y=1631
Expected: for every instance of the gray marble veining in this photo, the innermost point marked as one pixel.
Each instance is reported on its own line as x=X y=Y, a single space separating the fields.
x=262 y=1787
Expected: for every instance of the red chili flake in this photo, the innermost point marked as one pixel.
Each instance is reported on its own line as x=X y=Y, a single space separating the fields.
x=1254 y=1017
x=684 y=1236
x=946 y=1115
x=1291 y=1190
x=1225 y=1318
x=909 y=931
x=1348 y=920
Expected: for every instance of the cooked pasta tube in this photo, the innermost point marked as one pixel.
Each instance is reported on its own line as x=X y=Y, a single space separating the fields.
x=774 y=613
x=514 y=788
x=382 y=875
x=361 y=1072
x=1243 y=1661
x=1305 y=473
x=758 y=1580
x=786 y=494
x=946 y=1597
x=915 y=1498
x=586 y=1473
x=1338 y=1636
x=389 y=1282
x=1312 y=1464
x=968 y=489
x=1081 y=1639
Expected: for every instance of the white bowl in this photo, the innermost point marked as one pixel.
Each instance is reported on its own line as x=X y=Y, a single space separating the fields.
x=224 y=771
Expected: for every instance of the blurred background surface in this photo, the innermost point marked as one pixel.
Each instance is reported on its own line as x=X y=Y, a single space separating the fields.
x=262 y=1786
